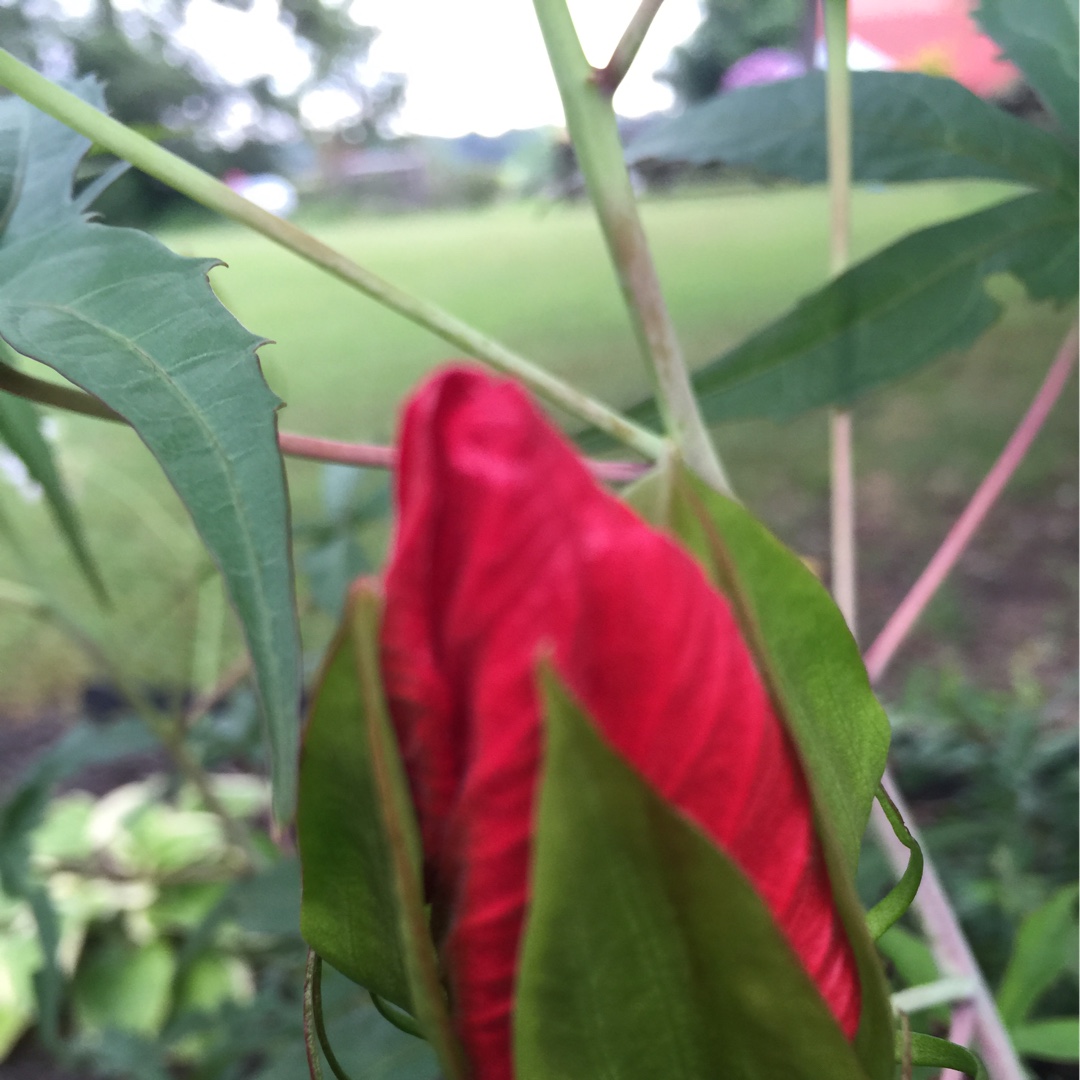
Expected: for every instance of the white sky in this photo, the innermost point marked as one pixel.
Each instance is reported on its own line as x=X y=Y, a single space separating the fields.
x=472 y=65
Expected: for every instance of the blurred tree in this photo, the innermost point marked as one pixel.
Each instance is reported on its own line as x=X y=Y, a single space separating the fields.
x=152 y=78
x=730 y=30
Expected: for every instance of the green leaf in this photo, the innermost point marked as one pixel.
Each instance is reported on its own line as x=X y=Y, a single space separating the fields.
x=19 y=957
x=914 y=964
x=690 y=976
x=348 y=912
x=125 y=986
x=905 y=126
x=20 y=816
x=139 y=327
x=116 y=1053
x=360 y=847
x=38 y=158
x=1039 y=957
x=20 y=429
x=1040 y=38
x=800 y=641
x=1048 y=1040
x=815 y=673
x=896 y=311
x=928 y=1050
x=120 y=315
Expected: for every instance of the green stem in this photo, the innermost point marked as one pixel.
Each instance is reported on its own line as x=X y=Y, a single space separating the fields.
x=842 y=470
x=198 y=185
x=311 y=1041
x=608 y=78
x=590 y=120
x=315 y=1036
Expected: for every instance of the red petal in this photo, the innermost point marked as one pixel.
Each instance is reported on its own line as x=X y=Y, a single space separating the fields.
x=505 y=546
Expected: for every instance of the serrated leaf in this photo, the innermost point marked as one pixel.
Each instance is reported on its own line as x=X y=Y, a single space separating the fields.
x=20 y=430
x=38 y=158
x=690 y=978
x=905 y=126
x=1048 y=1040
x=896 y=311
x=1040 y=38
x=123 y=317
x=139 y=327
x=1038 y=958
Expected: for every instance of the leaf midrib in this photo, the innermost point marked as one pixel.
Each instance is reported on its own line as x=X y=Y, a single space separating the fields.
x=926 y=283
x=157 y=370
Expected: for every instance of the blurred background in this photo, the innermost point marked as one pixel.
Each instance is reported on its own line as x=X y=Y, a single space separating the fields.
x=425 y=140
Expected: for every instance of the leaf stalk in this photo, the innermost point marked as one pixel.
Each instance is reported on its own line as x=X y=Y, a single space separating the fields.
x=212 y=193
x=311 y=447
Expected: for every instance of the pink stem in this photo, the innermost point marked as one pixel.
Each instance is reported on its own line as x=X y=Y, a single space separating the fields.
x=384 y=457
x=978 y=1017
x=315 y=449
x=951 y=950
x=961 y=1031
x=896 y=630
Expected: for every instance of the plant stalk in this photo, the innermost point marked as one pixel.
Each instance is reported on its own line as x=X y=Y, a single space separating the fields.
x=609 y=77
x=590 y=120
x=841 y=458
x=204 y=189
x=313 y=448
x=978 y=1016
x=903 y=619
x=311 y=1042
x=961 y=1032
x=950 y=948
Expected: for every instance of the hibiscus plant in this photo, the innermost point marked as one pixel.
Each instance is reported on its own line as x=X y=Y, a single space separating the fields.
x=585 y=774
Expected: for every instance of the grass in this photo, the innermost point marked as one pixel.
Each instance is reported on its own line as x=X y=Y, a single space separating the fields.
x=538 y=280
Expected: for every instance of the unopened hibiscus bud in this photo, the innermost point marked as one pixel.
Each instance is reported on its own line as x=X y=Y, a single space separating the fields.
x=507 y=553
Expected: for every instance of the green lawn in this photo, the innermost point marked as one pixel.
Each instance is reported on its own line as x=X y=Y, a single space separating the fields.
x=538 y=280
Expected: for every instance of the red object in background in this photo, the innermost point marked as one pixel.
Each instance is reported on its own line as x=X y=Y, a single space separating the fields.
x=938 y=36
x=506 y=549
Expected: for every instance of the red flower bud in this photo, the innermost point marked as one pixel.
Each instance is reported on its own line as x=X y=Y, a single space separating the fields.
x=506 y=551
